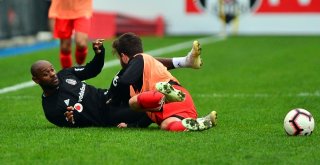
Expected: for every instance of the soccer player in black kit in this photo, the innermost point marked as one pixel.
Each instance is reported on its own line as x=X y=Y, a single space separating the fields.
x=67 y=101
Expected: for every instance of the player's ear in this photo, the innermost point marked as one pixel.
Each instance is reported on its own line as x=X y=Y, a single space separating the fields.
x=122 y=54
x=124 y=58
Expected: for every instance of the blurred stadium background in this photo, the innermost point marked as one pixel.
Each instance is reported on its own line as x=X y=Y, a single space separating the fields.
x=25 y=22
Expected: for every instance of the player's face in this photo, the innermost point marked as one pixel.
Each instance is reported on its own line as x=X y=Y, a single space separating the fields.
x=46 y=76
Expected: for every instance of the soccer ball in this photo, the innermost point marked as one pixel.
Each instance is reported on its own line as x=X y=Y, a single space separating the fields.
x=298 y=122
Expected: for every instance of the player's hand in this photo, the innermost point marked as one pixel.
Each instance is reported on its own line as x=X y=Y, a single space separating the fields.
x=122 y=125
x=97 y=45
x=69 y=114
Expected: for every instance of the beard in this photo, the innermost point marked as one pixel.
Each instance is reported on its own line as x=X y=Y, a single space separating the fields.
x=49 y=86
x=123 y=65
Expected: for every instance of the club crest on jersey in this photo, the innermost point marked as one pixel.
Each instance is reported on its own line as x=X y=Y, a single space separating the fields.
x=71 y=81
x=78 y=107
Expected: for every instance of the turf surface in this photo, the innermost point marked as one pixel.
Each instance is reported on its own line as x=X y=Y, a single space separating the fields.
x=252 y=82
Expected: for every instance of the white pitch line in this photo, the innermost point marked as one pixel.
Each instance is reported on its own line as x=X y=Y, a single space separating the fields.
x=156 y=52
x=17 y=87
x=256 y=95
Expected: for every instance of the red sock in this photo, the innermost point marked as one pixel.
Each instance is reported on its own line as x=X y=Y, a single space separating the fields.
x=176 y=126
x=65 y=59
x=150 y=99
x=81 y=54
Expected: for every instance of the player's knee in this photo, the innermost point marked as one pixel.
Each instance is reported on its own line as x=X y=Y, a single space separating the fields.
x=133 y=103
x=65 y=44
x=81 y=43
x=65 y=51
x=150 y=99
x=81 y=46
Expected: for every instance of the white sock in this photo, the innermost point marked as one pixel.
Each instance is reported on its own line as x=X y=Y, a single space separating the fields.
x=179 y=62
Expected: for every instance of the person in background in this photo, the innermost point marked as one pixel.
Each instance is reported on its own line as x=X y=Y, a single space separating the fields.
x=71 y=16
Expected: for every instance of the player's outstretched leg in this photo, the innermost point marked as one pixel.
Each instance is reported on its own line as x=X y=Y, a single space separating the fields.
x=193 y=58
x=171 y=94
x=201 y=123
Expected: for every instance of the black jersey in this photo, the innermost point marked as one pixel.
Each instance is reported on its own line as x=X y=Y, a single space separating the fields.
x=88 y=101
x=132 y=74
x=93 y=106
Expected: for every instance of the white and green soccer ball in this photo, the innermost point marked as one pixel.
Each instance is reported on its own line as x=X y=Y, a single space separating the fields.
x=299 y=122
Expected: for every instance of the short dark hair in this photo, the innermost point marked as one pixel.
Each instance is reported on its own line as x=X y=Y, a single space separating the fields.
x=128 y=43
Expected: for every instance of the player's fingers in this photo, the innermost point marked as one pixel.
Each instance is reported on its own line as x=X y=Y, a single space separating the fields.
x=97 y=45
x=120 y=125
x=70 y=108
x=70 y=118
x=67 y=117
x=95 y=42
x=100 y=40
x=69 y=111
x=66 y=113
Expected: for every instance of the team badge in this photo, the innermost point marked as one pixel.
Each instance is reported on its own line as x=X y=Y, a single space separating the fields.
x=78 y=107
x=71 y=81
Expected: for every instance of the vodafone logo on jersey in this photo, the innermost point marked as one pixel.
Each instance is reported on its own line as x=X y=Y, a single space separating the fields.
x=254 y=6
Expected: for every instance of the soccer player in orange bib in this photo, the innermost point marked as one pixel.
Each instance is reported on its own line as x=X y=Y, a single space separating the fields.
x=71 y=16
x=153 y=89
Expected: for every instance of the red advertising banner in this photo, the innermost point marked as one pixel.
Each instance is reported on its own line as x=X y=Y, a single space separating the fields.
x=192 y=7
x=289 y=6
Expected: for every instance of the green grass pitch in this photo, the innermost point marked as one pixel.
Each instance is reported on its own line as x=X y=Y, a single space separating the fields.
x=252 y=82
